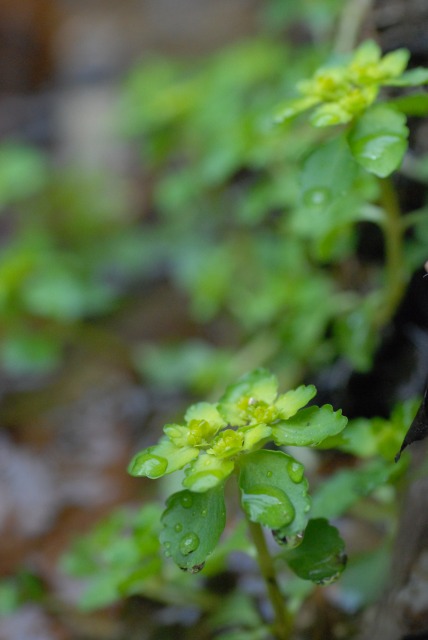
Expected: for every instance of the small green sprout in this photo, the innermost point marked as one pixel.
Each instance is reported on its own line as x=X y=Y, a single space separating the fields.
x=214 y=437
x=341 y=93
x=219 y=439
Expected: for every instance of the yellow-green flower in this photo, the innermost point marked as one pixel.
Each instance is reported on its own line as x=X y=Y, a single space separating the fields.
x=341 y=93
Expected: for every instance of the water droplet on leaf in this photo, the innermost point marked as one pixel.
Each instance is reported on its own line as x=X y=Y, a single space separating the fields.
x=189 y=543
x=195 y=569
x=290 y=541
x=186 y=501
x=178 y=527
x=269 y=474
x=149 y=465
x=295 y=471
x=269 y=506
x=317 y=197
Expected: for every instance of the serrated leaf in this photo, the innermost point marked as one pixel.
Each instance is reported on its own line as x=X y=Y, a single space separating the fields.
x=260 y=384
x=205 y=411
x=289 y=403
x=378 y=141
x=161 y=459
x=274 y=490
x=321 y=557
x=207 y=472
x=309 y=427
x=327 y=173
x=192 y=525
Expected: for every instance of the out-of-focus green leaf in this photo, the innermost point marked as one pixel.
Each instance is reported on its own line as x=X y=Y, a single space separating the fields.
x=378 y=140
x=335 y=495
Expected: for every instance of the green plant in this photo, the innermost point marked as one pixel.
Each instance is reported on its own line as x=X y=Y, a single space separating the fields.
x=259 y=224
x=71 y=249
x=219 y=440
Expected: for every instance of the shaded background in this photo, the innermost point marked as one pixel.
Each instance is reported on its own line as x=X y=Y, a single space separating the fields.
x=68 y=433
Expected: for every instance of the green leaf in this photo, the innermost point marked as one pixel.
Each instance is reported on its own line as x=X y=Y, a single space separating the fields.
x=260 y=384
x=413 y=105
x=321 y=556
x=274 y=490
x=205 y=411
x=328 y=173
x=412 y=78
x=25 y=352
x=354 y=334
x=342 y=490
x=309 y=427
x=289 y=403
x=378 y=141
x=207 y=472
x=292 y=108
x=192 y=525
x=23 y=172
x=161 y=459
x=330 y=114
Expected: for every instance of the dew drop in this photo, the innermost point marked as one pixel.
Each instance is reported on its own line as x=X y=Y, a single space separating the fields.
x=324 y=582
x=317 y=197
x=189 y=543
x=204 y=513
x=150 y=465
x=295 y=471
x=195 y=569
x=269 y=474
x=167 y=553
x=269 y=506
x=178 y=527
x=186 y=501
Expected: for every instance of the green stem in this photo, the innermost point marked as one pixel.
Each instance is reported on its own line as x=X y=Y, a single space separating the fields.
x=283 y=622
x=350 y=23
x=395 y=278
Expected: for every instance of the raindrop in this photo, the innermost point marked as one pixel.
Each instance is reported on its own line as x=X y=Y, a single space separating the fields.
x=178 y=527
x=149 y=465
x=189 y=543
x=186 y=501
x=295 y=471
x=268 y=505
x=317 y=197
x=269 y=474
x=324 y=582
x=290 y=541
x=195 y=569
x=204 y=513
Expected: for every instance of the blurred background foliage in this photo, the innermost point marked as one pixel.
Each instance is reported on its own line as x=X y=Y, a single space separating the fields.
x=210 y=253
x=267 y=268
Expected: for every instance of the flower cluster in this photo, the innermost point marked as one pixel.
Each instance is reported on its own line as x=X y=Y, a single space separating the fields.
x=341 y=93
x=250 y=414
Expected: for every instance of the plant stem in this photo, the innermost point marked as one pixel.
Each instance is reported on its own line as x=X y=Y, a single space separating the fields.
x=350 y=23
x=283 y=624
x=394 y=258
